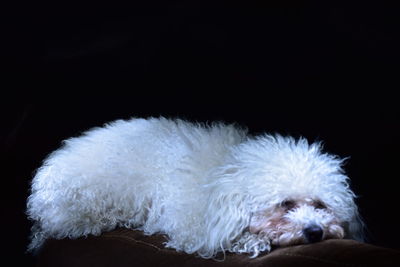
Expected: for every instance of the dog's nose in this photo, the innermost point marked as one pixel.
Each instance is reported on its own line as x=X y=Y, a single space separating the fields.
x=313 y=233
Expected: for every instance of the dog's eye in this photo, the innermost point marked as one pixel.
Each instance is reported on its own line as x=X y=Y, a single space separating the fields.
x=288 y=204
x=319 y=205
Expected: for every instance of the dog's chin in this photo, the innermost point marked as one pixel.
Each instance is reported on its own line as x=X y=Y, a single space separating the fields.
x=291 y=239
x=288 y=239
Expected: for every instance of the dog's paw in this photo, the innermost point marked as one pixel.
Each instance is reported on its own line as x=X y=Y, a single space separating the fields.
x=252 y=244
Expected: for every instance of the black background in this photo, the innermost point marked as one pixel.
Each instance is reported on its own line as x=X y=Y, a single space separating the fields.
x=308 y=69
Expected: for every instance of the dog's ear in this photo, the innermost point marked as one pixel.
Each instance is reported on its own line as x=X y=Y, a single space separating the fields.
x=356 y=227
x=227 y=214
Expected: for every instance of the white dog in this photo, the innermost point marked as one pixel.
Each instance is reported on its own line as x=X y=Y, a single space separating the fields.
x=210 y=189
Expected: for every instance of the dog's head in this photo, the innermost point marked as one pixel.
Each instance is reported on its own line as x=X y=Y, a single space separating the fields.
x=306 y=194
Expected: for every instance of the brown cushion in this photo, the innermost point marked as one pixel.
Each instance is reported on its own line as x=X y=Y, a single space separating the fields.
x=124 y=247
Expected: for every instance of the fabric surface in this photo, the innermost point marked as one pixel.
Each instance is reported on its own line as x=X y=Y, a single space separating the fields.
x=123 y=247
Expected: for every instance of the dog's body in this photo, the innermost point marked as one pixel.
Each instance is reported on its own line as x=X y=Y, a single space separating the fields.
x=209 y=189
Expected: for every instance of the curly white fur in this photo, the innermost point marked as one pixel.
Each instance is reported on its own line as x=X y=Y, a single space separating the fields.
x=210 y=188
